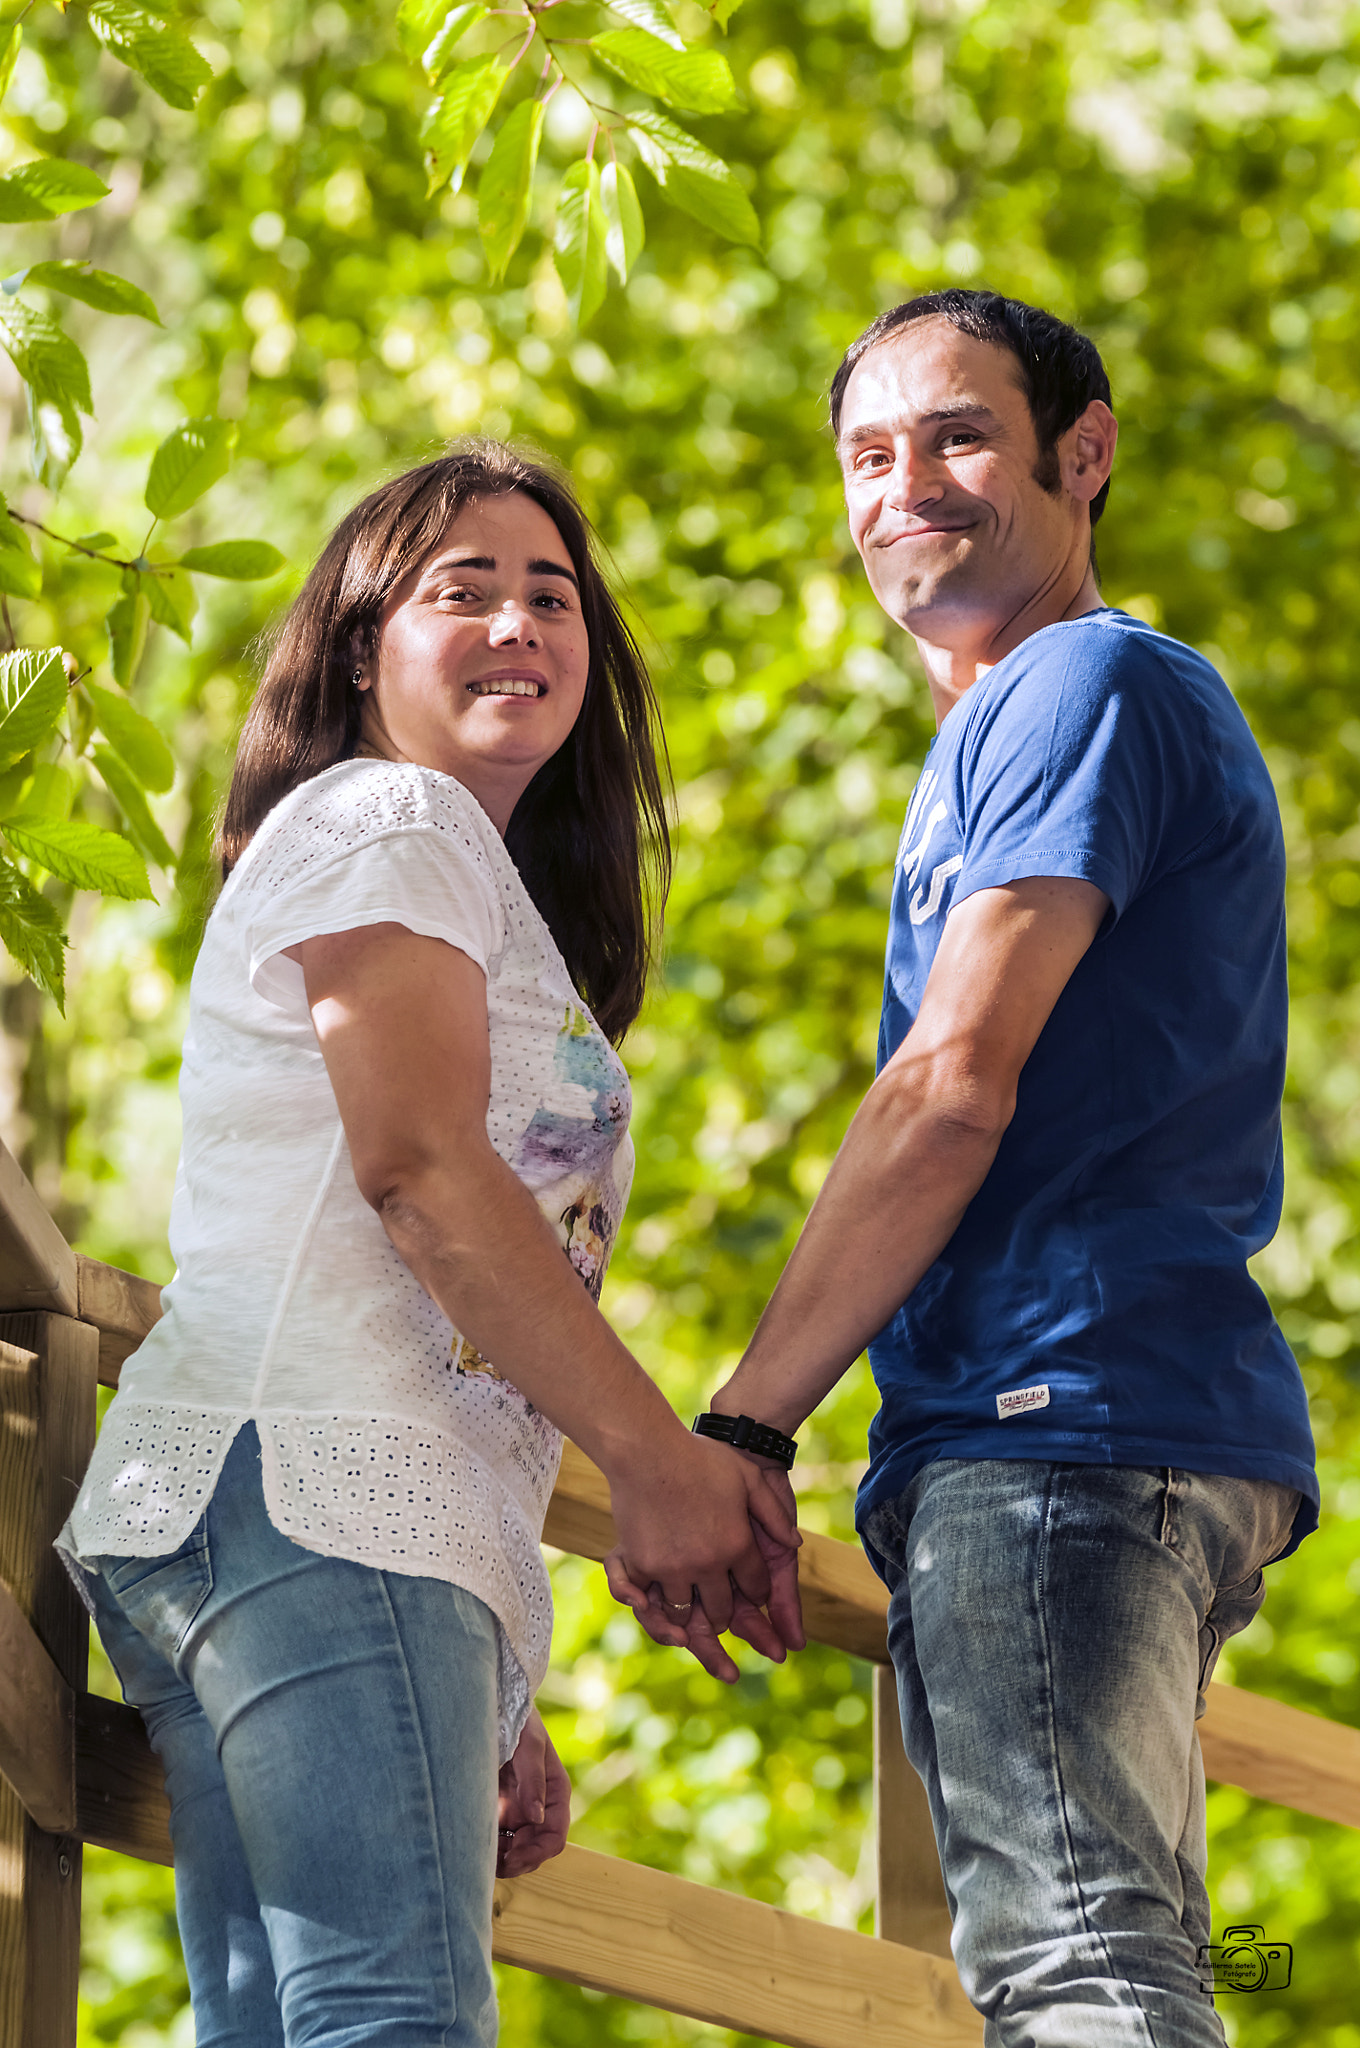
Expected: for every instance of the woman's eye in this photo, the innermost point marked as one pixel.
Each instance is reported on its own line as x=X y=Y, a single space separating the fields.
x=550 y=600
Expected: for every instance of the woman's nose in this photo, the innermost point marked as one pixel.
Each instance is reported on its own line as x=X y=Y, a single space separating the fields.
x=513 y=621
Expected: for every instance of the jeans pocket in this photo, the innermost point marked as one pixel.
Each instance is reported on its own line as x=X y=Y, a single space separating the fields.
x=161 y=1595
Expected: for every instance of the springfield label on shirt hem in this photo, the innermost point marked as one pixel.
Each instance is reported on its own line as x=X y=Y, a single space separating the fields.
x=1020 y=1400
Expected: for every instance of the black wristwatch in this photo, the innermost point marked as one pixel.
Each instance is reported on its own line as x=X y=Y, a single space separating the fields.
x=760 y=1438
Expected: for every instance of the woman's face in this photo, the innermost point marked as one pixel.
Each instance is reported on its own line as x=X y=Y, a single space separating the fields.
x=482 y=654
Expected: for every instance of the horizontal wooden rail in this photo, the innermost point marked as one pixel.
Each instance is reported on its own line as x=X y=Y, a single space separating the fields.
x=733 y=1962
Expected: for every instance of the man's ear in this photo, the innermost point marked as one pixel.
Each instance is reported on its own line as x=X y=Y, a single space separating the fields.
x=1086 y=451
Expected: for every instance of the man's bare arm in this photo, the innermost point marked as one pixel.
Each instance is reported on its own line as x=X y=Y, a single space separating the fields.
x=920 y=1144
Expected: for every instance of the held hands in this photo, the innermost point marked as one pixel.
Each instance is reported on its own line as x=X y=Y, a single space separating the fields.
x=708 y=1546
x=535 y=1803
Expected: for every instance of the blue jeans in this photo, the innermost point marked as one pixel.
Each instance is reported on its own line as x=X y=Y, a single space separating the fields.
x=329 y=1738
x=1053 y=1627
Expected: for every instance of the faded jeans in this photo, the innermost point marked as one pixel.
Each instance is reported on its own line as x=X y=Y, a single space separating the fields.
x=1053 y=1627
x=329 y=1735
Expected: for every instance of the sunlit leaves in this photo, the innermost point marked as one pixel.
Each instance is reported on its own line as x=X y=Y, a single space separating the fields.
x=135 y=739
x=126 y=791
x=438 y=58
x=11 y=39
x=97 y=288
x=243 y=561
x=32 y=699
x=20 y=573
x=173 y=600
x=84 y=855
x=31 y=932
x=47 y=188
x=507 y=184
x=153 y=46
x=457 y=118
x=579 y=243
x=699 y=80
x=127 y=625
x=58 y=384
x=694 y=178
x=188 y=462
x=624 y=230
x=652 y=16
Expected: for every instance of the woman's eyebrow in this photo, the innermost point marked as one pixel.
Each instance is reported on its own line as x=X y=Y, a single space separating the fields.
x=539 y=567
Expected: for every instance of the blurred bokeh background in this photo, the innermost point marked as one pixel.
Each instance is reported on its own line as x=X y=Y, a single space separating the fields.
x=1180 y=177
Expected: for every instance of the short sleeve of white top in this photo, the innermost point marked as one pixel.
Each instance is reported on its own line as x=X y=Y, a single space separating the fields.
x=386 y=1437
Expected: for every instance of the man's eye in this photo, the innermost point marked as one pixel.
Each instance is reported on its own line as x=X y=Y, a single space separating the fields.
x=874 y=458
x=960 y=439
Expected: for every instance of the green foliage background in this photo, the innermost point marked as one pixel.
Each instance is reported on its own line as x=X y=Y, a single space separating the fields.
x=1184 y=182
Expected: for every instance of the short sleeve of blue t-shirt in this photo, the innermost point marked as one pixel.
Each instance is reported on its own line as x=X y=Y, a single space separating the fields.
x=1074 y=763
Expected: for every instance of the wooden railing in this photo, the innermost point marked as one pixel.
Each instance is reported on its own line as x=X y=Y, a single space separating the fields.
x=77 y=1768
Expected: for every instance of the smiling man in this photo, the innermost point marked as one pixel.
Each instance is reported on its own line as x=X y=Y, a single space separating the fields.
x=1092 y=1433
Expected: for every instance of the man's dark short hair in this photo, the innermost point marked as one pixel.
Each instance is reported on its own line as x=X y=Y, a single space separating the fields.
x=1060 y=370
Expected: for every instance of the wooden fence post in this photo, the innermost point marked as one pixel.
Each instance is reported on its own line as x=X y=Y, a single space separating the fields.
x=912 y=1905
x=48 y=1365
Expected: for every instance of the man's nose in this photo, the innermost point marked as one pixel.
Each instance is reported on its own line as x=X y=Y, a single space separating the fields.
x=915 y=476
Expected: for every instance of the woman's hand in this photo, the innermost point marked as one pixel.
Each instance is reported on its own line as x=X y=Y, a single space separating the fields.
x=535 y=1803
x=765 y=1613
x=688 y=1524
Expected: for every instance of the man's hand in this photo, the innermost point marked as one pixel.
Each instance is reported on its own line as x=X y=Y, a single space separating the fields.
x=535 y=1803
x=690 y=1530
x=773 y=1625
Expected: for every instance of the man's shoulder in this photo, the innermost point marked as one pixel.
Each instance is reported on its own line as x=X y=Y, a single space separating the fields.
x=1077 y=669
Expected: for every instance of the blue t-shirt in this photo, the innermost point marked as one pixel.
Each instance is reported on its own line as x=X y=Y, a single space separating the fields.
x=1094 y=1304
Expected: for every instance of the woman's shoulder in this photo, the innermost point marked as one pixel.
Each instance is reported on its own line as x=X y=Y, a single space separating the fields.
x=357 y=804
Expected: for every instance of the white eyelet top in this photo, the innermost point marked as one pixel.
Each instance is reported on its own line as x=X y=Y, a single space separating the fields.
x=386 y=1437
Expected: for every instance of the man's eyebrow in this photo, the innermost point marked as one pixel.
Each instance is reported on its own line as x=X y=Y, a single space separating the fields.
x=965 y=408
x=540 y=566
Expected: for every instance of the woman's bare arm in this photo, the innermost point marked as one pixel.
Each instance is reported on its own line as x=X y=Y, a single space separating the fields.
x=402 y=1025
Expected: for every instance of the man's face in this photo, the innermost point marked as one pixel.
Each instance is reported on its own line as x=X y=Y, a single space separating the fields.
x=939 y=455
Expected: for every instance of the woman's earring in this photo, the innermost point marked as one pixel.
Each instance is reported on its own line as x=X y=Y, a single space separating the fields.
x=358 y=676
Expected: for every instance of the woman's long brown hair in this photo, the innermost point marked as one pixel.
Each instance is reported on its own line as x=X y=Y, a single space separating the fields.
x=589 y=835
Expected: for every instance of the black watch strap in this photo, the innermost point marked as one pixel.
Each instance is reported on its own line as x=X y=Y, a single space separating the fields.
x=760 y=1438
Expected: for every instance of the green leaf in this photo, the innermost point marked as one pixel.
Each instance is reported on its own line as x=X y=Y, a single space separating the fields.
x=98 y=288
x=694 y=178
x=20 y=574
x=722 y=11
x=458 y=117
x=188 y=462
x=51 y=186
x=11 y=39
x=48 y=792
x=700 y=80
x=243 y=561
x=417 y=21
x=135 y=739
x=142 y=827
x=649 y=14
x=148 y=44
x=624 y=229
x=438 y=59
x=578 y=245
x=81 y=853
x=98 y=541
x=507 y=183
x=31 y=932
x=32 y=698
x=47 y=360
x=127 y=625
x=54 y=430
x=173 y=600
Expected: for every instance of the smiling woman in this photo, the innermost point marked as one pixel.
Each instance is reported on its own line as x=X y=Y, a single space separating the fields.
x=311 y=1526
